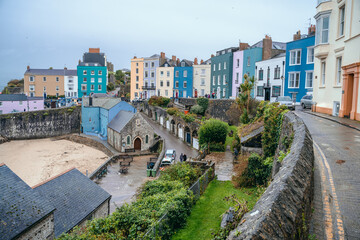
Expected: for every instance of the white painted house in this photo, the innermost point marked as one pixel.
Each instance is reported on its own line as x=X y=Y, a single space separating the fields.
x=269 y=76
x=70 y=83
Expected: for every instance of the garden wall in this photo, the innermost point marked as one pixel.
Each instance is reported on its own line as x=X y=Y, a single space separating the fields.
x=40 y=124
x=284 y=210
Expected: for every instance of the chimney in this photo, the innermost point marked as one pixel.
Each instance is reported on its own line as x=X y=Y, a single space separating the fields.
x=195 y=61
x=212 y=55
x=79 y=61
x=267 y=46
x=94 y=50
x=311 y=30
x=243 y=46
x=202 y=61
x=135 y=57
x=297 y=36
x=162 y=55
x=173 y=58
x=28 y=67
x=65 y=68
x=177 y=62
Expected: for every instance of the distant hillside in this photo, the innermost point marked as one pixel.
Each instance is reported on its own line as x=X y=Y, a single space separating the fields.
x=14 y=86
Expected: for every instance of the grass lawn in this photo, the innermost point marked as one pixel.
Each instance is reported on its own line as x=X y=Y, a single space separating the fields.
x=205 y=216
x=230 y=139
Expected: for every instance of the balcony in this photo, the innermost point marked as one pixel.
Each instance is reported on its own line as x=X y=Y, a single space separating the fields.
x=148 y=87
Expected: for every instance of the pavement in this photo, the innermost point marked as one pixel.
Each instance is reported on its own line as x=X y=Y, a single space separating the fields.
x=223 y=164
x=336 y=213
x=103 y=142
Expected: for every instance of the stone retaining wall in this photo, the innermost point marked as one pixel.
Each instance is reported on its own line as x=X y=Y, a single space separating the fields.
x=284 y=210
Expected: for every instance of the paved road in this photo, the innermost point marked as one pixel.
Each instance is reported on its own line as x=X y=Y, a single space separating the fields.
x=337 y=178
x=172 y=142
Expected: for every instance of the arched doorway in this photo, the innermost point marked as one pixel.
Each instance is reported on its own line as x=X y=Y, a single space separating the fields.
x=187 y=134
x=137 y=144
x=156 y=116
x=172 y=126
x=180 y=131
x=195 y=140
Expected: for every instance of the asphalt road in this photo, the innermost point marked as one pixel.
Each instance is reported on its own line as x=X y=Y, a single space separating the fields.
x=172 y=142
x=337 y=178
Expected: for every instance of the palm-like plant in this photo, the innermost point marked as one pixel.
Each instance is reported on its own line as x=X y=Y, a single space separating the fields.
x=245 y=91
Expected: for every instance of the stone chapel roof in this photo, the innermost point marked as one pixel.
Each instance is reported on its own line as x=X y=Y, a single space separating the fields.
x=120 y=120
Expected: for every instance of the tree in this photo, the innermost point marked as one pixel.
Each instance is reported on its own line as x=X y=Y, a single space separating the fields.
x=119 y=75
x=213 y=131
x=246 y=88
x=204 y=103
x=110 y=87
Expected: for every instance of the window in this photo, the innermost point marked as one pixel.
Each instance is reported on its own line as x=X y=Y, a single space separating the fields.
x=71 y=88
x=57 y=79
x=168 y=83
x=92 y=80
x=44 y=89
x=338 y=70
x=224 y=79
x=295 y=57
x=202 y=81
x=213 y=80
x=146 y=64
x=57 y=94
x=224 y=65
x=166 y=92
x=309 y=79
x=137 y=64
x=0 y=103
x=322 y=29
x=224 y=92
x=136 y=94
x=248 y=61
x=161 y=73
x=147 y=139
x=277 y=72
x=185 y=74
x=219 y=66
x=161 y=83
x=182 y=64
x=137 y=78
x=83 y=87
x=85 y=80
x=31 y=79
x=177 y=84
x=152 y=74
x=202 y=71
x=44 y=79
x=237 y=78
x=92 y=72
x=323 y=68
x=261 y=74
x=99 y=87
x=99 y=72
x=146 y=74
x=20 y=102
x=152 y=64
x=276 y=91
x=219 y=80
x=137 y=86
x=294 y=78
x=166 y=65
x=268 y=74
x=128 y=140
x=177 y=74
x=168 y=73
x=84 y=72
x=32 y=87
x=237 y=62
x=57 y=88
x=185 y=84
x=342 y=21
x=214 y=67
x=202 y=92
x=99 y=80
x=92 y=87
x=310 y=55
x=71 y=80
x=137 y=70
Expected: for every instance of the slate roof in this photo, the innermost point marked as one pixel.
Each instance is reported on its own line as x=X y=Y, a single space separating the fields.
x=120 y=120
x=20 y=206
x=13 y=97
x=74 y=196
x=51 y=72
x=275 y=45
x=92 y=58
x=110 y=103
x=279 y=55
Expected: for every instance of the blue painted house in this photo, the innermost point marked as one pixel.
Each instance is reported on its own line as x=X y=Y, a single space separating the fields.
x=92 y=73
x=299 y=66
x=97 y=113
x=183 y=79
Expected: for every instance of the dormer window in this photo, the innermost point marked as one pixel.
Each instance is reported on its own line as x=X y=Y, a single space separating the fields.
x=182 y=64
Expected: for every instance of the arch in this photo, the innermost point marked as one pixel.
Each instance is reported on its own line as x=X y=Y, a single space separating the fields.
x=128 y=140
x=156 y=116
x=194 y=134
x=195 y=140
x=172 y=126
x=137 y=144
x=150 y=113
x=187 y=134
x=180 y=133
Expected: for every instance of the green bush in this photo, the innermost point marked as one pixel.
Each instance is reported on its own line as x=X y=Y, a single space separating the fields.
x=213 y=130
x=172 y=111
x=203 y=102
x=197 y=109
x=244 y=118
x=217 y=147
x=159 y=101
x=189 y=117
x=257 y=171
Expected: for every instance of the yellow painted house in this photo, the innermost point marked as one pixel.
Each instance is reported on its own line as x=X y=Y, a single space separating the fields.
x=137 y=78
x=165 y=78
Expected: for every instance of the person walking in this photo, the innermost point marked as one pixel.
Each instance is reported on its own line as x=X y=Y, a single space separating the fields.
x=181 y=157
x=184 y=157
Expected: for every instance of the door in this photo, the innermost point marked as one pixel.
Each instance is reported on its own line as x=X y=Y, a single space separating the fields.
x=267 y=94
x=188 y=138
x=184 y=94
x=348 y=95
x=137 y=144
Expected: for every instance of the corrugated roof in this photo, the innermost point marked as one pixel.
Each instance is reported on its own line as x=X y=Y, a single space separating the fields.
x=120 y=120
x=51 y=72
x=74 y=196
x=20 y=205
x=13 y=97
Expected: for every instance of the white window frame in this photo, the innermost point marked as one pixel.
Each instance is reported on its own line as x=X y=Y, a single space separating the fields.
x=338 y=71
x=83 y=87
x=92 y=80
x=92 y=72
x=237 y=62
x=224 y=92
x=84 y=72
x=31 y=79
x=161 y=73
x=224 y=79
x=224 y=65
x=308 y=54
x=100 y=72
x=320 y=31
x=219 y=80
x=99 y=87
x=219 y=68
x=214 y=79
x=92 y=87
x=298 y=82
x=342 y=20
x=296 y=53
x=202 y=81
x=44 y=79
x=323 y=73
x=177 y=84
x=203 y=71
x=307 y=79
x=168 y=83
x=57 y=79
x=99 y=80
x=31 y=87
x=237 y=78
x=57 y=88
x=168 y=73
x=166 y=93
x=176 y=73
x=185 y=73
x=185 y=84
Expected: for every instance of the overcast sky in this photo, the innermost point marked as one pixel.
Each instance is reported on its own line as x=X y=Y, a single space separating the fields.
x=55 y=33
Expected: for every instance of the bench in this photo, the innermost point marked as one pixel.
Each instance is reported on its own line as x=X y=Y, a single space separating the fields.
x=125 y=163
x=130 y=150
x=124 y=170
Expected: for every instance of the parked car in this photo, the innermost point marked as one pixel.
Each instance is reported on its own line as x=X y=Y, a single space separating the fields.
x=169 y=157
x=287 y=101
x=306 y=101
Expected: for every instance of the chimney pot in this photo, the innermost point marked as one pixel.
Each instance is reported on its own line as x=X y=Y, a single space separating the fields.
x=195 y=61
x=178 y=62
x=202 y=61
x=28 y=67
x=243 y=46
x=311 y=30
x=212 y=55
x=162 y=54
x=65 y=68
x=297 y=36
x=94 y=50
x=173 y=58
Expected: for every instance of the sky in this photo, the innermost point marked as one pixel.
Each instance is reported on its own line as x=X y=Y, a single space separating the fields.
x=56 y=33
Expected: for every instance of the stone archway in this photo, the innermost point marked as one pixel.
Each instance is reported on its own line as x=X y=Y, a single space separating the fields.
x=172 y=126
x=137 y=144
x=195 y=140
x=187 y=135
x=180 y=133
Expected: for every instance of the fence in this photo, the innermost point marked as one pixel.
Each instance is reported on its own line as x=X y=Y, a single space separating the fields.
x=198 y=188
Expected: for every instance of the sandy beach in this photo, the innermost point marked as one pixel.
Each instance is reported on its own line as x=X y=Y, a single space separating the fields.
x=37 y=160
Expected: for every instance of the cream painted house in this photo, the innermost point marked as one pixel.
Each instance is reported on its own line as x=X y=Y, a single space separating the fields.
x=165 y=78
x=201 y=78
x=137 y=78
x=337 y=58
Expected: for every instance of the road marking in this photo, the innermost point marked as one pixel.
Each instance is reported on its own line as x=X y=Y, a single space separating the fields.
x=339 y=222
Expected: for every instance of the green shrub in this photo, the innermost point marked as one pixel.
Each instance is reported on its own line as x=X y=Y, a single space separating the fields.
x=172 y=111
x=244 y=118
x=188 y=117
x=213 y=130
x=197 y=109
x=217 y=147
x=257 y=171
x=159 y=101
x=204 y=103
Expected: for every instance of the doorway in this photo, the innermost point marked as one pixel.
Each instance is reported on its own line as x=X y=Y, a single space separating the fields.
x=267 y=94
x=137 y=144
x=348 y=95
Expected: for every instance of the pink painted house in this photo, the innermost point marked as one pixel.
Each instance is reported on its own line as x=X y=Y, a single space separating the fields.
x=237 y=72
x=10 y=103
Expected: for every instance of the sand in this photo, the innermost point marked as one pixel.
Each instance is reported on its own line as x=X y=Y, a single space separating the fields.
x=35 y=161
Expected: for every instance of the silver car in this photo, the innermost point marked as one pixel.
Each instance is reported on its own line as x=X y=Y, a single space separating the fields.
x=287 y=101
x=169 y=157
x=306 y=101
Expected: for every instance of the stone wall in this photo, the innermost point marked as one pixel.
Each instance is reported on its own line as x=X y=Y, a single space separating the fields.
x=101 y=212
x=40 y=124
x=284 y=210
x=42 y=230
x=218 y=108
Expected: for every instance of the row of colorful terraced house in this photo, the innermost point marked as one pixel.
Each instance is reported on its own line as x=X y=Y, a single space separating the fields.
x=323 y=63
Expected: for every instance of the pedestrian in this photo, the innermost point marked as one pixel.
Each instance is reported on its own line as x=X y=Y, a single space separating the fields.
x=181 y=157
x=184 y=157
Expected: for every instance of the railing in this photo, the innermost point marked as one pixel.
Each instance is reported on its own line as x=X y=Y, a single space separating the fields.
x=148 y=87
